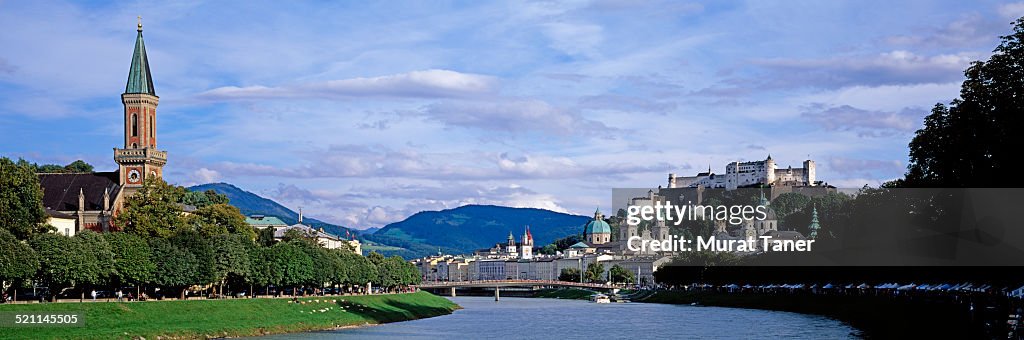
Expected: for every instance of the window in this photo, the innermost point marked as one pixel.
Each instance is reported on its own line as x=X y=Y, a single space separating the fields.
x=151 y=119
x=135 y=125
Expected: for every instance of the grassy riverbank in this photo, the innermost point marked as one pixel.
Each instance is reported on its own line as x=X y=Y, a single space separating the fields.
x=231 y=317
x=565 y=293
x=877 y=317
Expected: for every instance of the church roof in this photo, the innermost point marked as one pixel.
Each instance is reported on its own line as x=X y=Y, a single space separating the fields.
x=57 y=214
x=579 y=245
x=60 y=191
x=139 y=78
x=264 y=221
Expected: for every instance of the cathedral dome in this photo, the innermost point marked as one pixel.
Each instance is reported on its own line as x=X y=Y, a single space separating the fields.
x=597 y=225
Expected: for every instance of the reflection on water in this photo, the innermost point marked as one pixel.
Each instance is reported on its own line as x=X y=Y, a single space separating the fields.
x=523 y=318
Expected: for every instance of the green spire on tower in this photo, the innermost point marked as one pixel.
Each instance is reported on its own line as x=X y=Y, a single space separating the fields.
x=814 y=224
x=139 y=78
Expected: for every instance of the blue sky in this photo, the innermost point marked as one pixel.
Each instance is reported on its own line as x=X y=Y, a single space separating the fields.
x=366 y=112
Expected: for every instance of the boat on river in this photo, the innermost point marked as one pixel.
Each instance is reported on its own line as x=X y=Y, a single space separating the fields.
x=601 y=298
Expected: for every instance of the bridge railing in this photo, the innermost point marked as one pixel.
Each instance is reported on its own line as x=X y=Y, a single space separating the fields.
x=442 y=284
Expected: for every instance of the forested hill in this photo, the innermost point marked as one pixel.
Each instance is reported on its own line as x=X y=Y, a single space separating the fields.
x=471 y=227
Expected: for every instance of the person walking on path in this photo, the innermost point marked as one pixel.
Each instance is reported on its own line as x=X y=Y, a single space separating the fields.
x=119 y=295
x=93 y=295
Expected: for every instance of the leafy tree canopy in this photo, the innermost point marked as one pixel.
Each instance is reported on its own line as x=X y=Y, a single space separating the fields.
x=973 y=141
x=21 y=199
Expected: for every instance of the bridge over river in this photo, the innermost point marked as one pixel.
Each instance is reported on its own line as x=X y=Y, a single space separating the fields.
x=451 y=286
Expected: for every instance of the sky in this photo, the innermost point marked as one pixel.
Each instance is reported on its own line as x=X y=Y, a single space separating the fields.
x=363 y=113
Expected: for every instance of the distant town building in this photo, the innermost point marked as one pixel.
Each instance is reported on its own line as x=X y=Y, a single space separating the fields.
x=329 y=241
x=510 y=250
x=63 y=224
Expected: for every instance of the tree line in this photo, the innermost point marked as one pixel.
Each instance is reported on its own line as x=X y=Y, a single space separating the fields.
x=594 y=273
x=164 y=251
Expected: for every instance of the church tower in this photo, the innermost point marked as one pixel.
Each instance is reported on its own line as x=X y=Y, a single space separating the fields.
x=139 y=159
x=526 y=248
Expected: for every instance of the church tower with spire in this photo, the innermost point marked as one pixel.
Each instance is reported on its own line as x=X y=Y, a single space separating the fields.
x=526 y=248
x=139 y=159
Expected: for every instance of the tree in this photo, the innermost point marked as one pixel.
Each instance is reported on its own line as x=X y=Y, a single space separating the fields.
x=549 y=249
x=974 y=141
x=21 y=200
x=565 y=242
x=569 y=274
x=788 y=203
x=618 y=274
x=362 y=270
x=174 y=266
x=202 y=199
x=133 y=263
x=397 y=272
x=18 y=261
x=153 y=210
x=64 y=262
x=201 y=249
x=231 y=260
x=218 y=219
x=96 y=245
x=594 y=273
x=78 y=166
x=295 y=265
x=265 y=237
x=264 y=271
x=298 y=235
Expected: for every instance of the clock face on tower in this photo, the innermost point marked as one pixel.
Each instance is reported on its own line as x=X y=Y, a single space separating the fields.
x=134 y=176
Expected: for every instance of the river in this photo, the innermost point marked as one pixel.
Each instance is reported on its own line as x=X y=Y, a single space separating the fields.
x=526 y=318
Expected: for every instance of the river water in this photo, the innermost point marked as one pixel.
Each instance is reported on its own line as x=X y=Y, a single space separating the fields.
x=528 y=318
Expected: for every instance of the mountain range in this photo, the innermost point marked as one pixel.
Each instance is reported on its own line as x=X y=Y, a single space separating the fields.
x=252 y=204
x=453 y=231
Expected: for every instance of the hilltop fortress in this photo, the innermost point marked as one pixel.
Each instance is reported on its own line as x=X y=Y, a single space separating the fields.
x=752 y=174
x=745 y=174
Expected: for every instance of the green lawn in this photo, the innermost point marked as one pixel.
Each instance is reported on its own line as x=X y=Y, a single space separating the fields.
x=231 y=317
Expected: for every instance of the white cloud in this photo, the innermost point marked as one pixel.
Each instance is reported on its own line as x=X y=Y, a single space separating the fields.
x=1012 y=10
x=887 y=68
x=417 y=84
x=886 y=97
x=865 y=123
x=202 y=176
x=969 y=31
x=517 y=116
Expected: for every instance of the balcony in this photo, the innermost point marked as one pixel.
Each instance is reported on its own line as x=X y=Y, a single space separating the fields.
x=142 y=155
